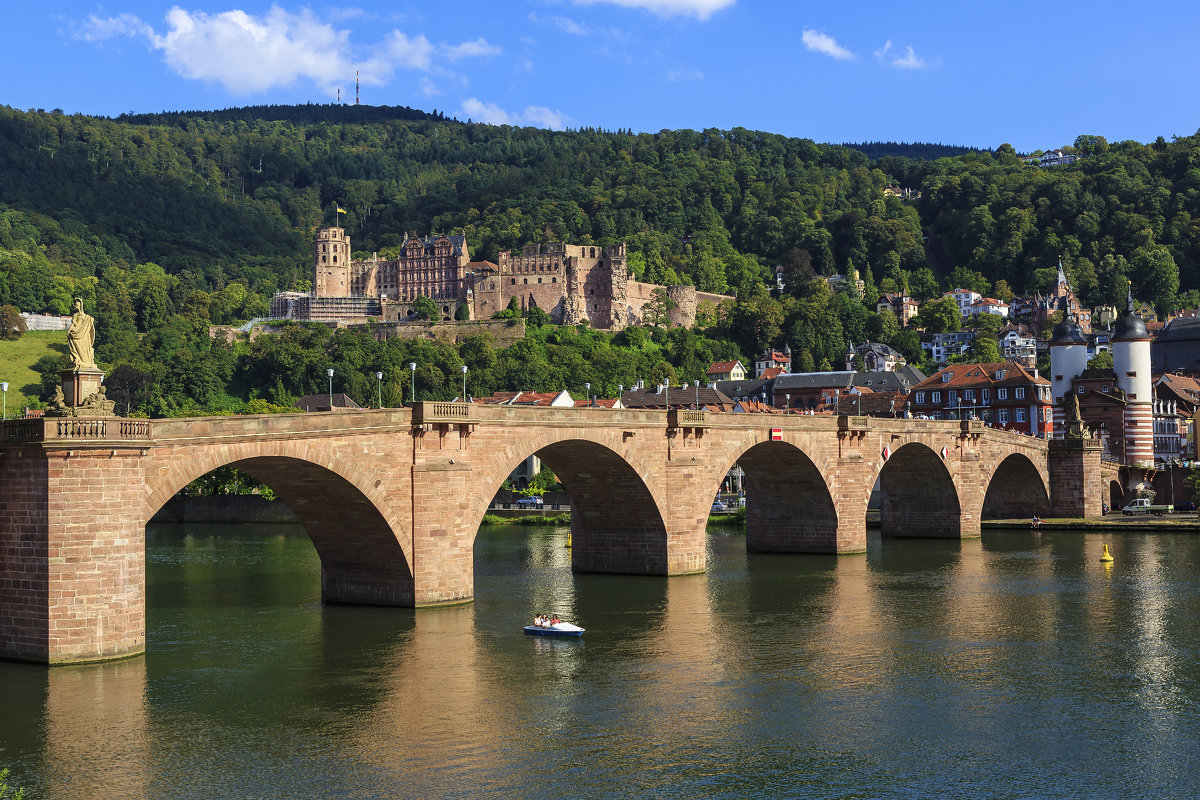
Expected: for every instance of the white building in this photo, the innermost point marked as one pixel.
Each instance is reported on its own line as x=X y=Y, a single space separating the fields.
x=965 y=298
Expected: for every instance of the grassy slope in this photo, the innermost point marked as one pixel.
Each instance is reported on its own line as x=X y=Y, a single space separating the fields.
x=16 y=364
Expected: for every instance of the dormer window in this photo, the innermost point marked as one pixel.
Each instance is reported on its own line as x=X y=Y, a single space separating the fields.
x=946 y=376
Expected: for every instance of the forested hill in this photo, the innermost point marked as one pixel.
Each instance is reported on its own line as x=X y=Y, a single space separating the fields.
x=214 y=199
x=926 y=151
x=306 y=114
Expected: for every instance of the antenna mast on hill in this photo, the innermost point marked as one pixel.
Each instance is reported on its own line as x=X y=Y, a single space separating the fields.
x=339 y=96
x=355 y=87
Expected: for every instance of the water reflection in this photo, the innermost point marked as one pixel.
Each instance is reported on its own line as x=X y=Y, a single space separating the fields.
x=97 y=742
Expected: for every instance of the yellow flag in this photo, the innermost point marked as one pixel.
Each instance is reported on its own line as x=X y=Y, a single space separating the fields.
x=340 y=210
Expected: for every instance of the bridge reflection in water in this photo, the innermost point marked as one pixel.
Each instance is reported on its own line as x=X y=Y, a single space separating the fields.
x=391 y=498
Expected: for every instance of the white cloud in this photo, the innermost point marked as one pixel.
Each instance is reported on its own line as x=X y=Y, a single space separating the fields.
x=909 y=60
x=700 y=9
x=95 y=29
x=475 y=49
x=676 y=75
x=428 y=88
x=492 y=114
x=825 y=44
x=249 y=54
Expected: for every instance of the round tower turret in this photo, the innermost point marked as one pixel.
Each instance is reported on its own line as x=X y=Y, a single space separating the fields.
x=1131 y=368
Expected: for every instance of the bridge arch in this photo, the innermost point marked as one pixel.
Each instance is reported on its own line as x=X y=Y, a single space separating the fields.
x=617 y=523
x=1016 y=490
x=918 y=495
x=364 y=558
x=789 y=506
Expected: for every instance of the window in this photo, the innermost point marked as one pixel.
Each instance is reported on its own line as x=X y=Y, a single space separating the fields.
x=1080 y=390
x=937 y=398
x=1002 y=416
x=969 y=395
x=1020 y=415
x=951 y=397
x=920 y=398
x=1047 y=415
x=987 y=395
x=946 y=376
x=1002 y=394
x=1104 y=388
x=1020 y=393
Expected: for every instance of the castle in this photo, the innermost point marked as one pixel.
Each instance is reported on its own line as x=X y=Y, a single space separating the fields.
x=574 y=284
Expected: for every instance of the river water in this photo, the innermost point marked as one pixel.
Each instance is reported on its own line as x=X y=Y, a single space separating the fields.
x=1013 y=666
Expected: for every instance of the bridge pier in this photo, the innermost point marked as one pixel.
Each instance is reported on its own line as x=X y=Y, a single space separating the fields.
x=72 y=550
x=1076 y=478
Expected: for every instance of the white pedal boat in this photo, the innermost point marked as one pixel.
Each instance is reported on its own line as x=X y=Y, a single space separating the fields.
x=558 y=629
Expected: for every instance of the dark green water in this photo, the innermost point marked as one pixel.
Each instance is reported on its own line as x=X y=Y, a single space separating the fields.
x=1013 y=667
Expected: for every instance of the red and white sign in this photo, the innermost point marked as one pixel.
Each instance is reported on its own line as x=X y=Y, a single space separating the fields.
x=945 y=453
x=776 y=434
x=887 y=453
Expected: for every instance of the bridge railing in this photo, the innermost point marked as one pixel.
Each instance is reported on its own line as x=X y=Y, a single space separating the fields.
x=74 y=428
x=686 y=418
x=427 y=412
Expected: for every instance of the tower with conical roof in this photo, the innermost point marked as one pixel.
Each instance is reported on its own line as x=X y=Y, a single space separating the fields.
x=1131 y=365
x=1068 y=360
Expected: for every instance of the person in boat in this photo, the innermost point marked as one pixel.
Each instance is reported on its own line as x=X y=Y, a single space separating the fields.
x=540 y=620
x=555 y=621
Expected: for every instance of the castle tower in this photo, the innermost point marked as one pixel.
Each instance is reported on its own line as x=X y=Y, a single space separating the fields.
x=1068 y=360
x=1131 y=364
x=331 y=263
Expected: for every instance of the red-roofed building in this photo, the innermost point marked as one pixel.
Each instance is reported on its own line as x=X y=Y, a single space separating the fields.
x=546 y=399
x=775 y=359
x=1004 y=394
x=726 y=371
x=769 y=373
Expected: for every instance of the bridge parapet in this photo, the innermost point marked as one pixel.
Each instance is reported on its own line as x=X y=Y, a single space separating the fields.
x=49 y=429
x=427 y=413
x=686 y=418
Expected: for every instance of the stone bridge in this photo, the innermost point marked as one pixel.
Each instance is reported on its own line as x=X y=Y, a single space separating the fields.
x=392 y=498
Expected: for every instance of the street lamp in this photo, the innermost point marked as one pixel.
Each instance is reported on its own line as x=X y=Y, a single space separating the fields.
x=464 y=394
x=697 y=383
x=587 y=387
x=4 y=390
x=379 y=387
x=412 y=365
x=329 y=372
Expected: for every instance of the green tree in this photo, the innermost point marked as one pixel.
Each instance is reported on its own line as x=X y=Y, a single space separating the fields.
x=12 y=324
x=1102 y=360
x=425 y=308
x=463 y=312
x=940 y=316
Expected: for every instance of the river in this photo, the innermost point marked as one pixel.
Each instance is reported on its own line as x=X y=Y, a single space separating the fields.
x=1012 y=666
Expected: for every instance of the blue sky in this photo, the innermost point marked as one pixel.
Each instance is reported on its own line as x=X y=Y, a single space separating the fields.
x=1032 y=74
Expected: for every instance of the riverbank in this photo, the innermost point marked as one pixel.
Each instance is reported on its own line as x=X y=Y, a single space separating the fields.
x=1113 y=522
x=527 y=519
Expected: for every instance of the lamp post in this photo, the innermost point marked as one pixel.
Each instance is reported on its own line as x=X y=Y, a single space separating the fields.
x=4 y=390
x=412 y=366
x=379 y=388
x=697 y=385
x=329 y=372
x=464 y=394
x=587 y=387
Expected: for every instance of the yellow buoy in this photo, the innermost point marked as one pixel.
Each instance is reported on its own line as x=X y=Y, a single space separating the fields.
x=568 y=540
x=1106 y=556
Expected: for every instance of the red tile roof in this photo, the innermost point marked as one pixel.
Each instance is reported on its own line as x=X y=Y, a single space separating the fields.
x=719 y=367
x=972 y=375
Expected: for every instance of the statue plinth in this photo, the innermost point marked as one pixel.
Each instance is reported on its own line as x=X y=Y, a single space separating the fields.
x=80 y=383
x=81 y=395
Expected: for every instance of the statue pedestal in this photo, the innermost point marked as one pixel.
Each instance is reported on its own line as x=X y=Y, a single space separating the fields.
x=80 y=383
